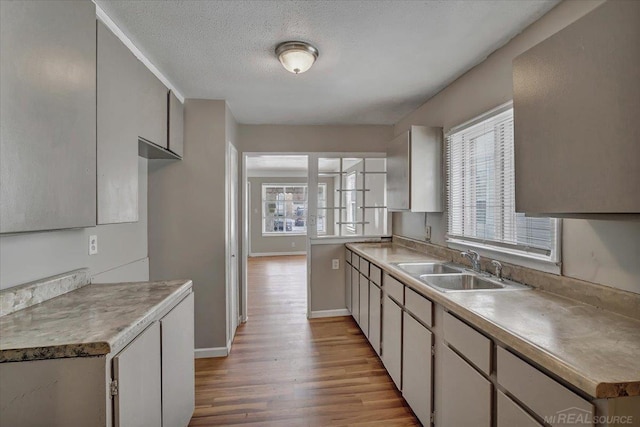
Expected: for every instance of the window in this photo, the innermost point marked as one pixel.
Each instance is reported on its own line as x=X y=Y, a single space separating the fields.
x=284 y=208
x=481 y=192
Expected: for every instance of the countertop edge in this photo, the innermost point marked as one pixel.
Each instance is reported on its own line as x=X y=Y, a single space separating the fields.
x=98 y=348
x=535 y=353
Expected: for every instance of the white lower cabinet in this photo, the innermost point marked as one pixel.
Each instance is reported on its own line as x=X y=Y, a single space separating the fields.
x=347 y=281
x=178 y=374
x=392 y=339
x=464 y=393
x=138 y=402
x=417 y=368
x=355 y=294
x=511 y=415
x=364 y=305
x=375 y=316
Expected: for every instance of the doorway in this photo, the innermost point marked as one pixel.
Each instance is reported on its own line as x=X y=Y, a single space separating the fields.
x=276 y=197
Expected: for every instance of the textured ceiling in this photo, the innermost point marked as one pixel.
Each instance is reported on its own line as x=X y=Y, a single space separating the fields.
x=379 y=60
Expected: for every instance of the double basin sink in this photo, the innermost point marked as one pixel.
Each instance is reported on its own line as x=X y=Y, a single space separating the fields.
x=447 y=277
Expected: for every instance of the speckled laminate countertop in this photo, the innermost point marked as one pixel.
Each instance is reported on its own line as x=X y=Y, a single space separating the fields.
x=94 y=320
x=592 y=349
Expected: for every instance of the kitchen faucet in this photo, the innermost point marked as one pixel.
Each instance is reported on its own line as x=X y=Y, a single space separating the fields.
x=498 y=267
x=474 y=257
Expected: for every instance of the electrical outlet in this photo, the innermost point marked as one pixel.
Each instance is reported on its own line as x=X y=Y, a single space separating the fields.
x=335 y=264
x=93 y=244
x=427 y=233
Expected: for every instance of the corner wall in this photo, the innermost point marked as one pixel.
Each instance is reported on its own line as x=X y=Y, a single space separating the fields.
x=187 y=220
x=604 y=252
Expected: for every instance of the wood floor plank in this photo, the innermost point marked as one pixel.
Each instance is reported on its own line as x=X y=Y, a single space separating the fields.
x=285 y=370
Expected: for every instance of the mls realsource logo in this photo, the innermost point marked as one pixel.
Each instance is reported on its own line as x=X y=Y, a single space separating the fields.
x=581 y=417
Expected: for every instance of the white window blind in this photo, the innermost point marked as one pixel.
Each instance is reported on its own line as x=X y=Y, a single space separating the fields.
x=481 y=190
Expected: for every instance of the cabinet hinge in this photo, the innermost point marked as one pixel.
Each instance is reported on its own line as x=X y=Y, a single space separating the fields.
x=432 y=418
x=113 y=387
x=433 y=350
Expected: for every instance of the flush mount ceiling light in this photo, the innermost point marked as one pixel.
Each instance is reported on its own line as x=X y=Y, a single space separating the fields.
x=296 y=57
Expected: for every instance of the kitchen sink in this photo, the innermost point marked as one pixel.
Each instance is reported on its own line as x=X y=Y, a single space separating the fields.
x=468 y=282
x=422 y=268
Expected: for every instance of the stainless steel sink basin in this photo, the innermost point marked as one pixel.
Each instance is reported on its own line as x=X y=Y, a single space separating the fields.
x=422 y=268
x=467 y=282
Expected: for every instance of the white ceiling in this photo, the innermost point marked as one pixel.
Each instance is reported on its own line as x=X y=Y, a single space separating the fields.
x=379 y=60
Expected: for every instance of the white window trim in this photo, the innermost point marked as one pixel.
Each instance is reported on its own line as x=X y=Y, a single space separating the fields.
x=548 y=263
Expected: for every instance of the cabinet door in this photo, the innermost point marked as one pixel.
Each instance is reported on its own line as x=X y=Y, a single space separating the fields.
x=176 y=125
x=152 y=124
x=398 y=159
x=355 y=294
x=375 y=317
x=48 y=119
x=117 y=130
x=347 y=281
x=178 y=374
x=573 y=91
x=137 y=370
x=392 y=339
x=465 y=394
x=364 y=305
x=511 y=415
x=417 y=384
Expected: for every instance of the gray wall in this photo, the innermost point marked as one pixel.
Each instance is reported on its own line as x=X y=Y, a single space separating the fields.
x=604 y=252
x=122 y=249
x=291 y=139
x=187 y=221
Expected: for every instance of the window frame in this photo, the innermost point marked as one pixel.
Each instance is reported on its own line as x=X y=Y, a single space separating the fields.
x=504 y=251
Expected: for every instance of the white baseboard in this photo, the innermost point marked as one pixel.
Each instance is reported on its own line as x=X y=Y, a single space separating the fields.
x=329 y=313
x=201 y=353
x=261 y=254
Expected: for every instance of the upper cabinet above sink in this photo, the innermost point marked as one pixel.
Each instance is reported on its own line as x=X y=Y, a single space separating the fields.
x=577 y=127
x=414 y=171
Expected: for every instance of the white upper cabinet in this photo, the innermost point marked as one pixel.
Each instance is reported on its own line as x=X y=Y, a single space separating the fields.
x=576 y=106
x=153 y=124
x=414 y=171
x=48 y=115
x=176 y=125
x=118 y=106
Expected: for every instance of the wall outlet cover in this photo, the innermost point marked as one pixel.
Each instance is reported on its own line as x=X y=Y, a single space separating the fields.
x=427 y=233
x=335 y=264
x=93 y=244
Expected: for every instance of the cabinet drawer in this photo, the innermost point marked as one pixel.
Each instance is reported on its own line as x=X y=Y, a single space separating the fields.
x=375 y=274
x=355 y=260
x=393 y=288
x=540 y=393
x=511 y=415
x=347 y=256
x=364 y=266
x=469 y=342
x=419 y=306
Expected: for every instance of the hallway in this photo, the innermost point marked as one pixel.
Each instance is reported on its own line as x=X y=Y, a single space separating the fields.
x=285 y=370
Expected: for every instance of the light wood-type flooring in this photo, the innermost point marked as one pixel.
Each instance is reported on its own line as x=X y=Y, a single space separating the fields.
x=285 y=370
